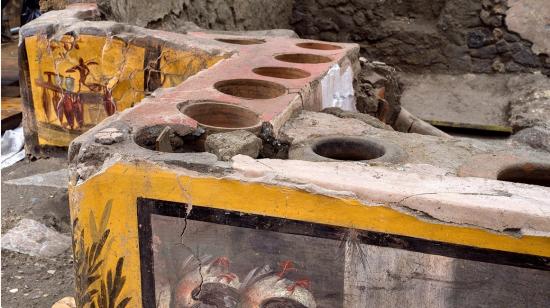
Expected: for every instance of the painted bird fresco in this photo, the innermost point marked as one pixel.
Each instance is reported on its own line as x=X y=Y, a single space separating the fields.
x=265 y=288
x=207 y=282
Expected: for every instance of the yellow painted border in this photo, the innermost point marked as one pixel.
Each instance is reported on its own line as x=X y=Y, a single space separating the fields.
x=123 y=183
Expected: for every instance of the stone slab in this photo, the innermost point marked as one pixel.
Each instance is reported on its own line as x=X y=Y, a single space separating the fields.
x=35 y=239
x=465 y=101
x=58 y=179
x=447 y=199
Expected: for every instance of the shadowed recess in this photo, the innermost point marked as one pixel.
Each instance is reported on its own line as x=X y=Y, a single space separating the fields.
x=318 y=46
x=302 y=58
x=534 y=174
x=169 y=138
x=281 y=72
x=221 y=116
x=241 y=41
x=250 y=88
x=347 y=148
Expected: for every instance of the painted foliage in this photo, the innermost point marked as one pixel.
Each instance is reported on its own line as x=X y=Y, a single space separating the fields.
x=97 y=285
x=77 y=81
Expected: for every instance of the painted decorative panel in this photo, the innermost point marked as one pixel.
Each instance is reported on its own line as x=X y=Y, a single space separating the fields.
x=150 y=237
x=77 y=81
x=219 y=258
x=178 y=65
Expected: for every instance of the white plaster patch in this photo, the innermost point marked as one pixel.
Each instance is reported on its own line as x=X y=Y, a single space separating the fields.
x=12 y=147
x=337 y=89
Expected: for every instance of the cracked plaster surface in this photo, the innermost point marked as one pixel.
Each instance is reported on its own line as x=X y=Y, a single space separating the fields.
x=447 y=199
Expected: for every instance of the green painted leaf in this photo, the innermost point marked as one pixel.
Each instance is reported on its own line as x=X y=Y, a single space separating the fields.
x=106 y=215
x=93 y=227
x=123 y=303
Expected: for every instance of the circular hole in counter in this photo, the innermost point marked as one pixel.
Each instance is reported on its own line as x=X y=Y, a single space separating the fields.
x=218 y=116
x=318 y=46
x=250 y=88
x=241 y=41
x=281 y=72
x=169 y=139
x=305 y=58
x=534 y=174
x=348 y=148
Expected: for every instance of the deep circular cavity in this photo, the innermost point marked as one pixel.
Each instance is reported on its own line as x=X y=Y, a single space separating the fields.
x=302 y=58
x=169 y=139
x=250 y=88
x=281 y=72
x=318 y=46
x=534 y=174
x=219 y=116
x=241 y=41
x=348 y=148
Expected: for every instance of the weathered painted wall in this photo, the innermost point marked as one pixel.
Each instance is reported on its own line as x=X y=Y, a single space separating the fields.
x=112 y=195
x=76 y=74
x=76 y=82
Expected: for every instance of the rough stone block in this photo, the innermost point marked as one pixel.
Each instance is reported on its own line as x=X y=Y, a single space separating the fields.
x=35 y=239
x=227 y=145
x=529 y=18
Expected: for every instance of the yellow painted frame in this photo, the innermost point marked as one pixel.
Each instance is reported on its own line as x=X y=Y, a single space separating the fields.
x=122 y=183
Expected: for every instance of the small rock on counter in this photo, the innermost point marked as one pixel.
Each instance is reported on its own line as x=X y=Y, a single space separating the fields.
x=227 y=145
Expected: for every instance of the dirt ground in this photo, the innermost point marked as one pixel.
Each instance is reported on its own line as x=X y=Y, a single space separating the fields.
x=39 y=282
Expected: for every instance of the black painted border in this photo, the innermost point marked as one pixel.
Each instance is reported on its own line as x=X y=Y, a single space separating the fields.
x=147 y=207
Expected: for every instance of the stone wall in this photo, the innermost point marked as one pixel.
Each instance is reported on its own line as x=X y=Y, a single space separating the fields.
x=434 y=35
x=173 y=15
x=440 y=35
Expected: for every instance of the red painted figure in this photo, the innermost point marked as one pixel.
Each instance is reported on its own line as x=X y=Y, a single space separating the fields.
x=304 y=283
x=228 y=276
x=286 y=266
x=223 y=261
x=108 y=103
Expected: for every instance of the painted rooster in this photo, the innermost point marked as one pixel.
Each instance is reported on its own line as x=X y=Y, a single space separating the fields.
x=264 y=288
x=206 y=282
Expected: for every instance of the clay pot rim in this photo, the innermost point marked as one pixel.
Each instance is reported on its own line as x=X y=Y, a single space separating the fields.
x=182 y=107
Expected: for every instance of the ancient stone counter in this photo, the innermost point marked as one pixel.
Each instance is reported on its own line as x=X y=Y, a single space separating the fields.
x=321 y=211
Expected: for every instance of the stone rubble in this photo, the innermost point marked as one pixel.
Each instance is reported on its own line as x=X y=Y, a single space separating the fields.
x=109 y=136
x=33 y=238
